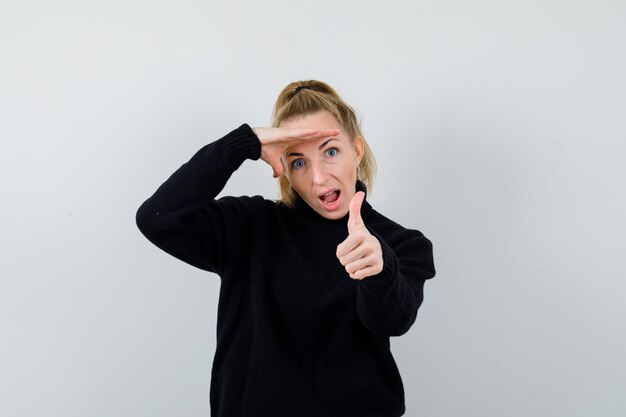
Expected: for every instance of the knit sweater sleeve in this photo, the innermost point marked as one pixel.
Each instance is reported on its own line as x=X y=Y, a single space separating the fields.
x=387 y=303
x=184 y=219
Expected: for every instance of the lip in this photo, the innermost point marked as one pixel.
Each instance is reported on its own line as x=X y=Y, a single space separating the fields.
x=335 y=204
x=330 y=190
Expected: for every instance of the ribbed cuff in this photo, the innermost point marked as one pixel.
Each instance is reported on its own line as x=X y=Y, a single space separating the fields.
x=390 y=266
x=242 y=143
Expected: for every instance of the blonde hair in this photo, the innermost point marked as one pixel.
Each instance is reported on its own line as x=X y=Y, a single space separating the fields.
x=302 y=98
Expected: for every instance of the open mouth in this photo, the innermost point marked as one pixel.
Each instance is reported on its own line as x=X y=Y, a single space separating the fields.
x=330 y=199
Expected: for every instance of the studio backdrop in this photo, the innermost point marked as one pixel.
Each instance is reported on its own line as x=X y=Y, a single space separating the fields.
x=499 y=132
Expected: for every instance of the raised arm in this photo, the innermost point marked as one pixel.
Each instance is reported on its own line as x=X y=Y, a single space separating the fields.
x=183 y=218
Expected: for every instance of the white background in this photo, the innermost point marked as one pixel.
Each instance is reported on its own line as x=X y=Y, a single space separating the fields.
x=499 y=131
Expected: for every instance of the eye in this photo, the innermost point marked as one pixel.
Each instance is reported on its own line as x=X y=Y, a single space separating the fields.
x=297 y=163
x=331 y=152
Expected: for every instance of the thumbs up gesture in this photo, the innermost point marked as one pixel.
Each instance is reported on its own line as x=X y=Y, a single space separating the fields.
x=360 y=253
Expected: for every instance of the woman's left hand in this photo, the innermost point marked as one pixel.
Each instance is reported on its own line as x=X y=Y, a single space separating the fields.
x=360 y=253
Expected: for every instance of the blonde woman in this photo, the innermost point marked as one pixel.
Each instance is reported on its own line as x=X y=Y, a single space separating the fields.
x=312 y=285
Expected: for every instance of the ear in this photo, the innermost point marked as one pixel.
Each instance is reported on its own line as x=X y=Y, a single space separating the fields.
x=359 y=146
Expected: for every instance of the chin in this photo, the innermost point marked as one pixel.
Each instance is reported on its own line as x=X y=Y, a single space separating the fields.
x=332 y=215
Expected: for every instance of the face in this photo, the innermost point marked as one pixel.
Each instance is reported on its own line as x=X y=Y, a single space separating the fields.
x=323 y=172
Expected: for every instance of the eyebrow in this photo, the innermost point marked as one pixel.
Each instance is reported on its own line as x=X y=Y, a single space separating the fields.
x=320 y=147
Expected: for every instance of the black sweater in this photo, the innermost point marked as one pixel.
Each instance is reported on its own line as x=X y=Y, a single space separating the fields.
x=296 y=336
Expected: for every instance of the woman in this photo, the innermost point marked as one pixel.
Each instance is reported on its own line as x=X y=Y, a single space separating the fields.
x=313 y=285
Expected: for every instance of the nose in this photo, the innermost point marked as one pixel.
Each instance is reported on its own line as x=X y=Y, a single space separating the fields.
x=320 y=173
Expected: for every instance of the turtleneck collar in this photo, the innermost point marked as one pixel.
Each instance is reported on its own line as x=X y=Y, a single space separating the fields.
x=301 y=207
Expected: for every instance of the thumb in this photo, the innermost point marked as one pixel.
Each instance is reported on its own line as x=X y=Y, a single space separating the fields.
x=355 y=219
x=277 y=168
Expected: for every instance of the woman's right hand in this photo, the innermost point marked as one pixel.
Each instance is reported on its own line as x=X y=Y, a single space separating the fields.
x=274 y=141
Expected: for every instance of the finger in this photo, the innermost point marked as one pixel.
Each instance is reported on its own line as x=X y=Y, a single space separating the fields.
x=361 y=251
x=358 y=264
x=348 y=245
x=353 y=256
x=277 y=170
x=303 y=135
x=295 y=137
x=281 y=168
x=313 y=133
x=366 y=272
x=355 y=219
x=324 y=133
